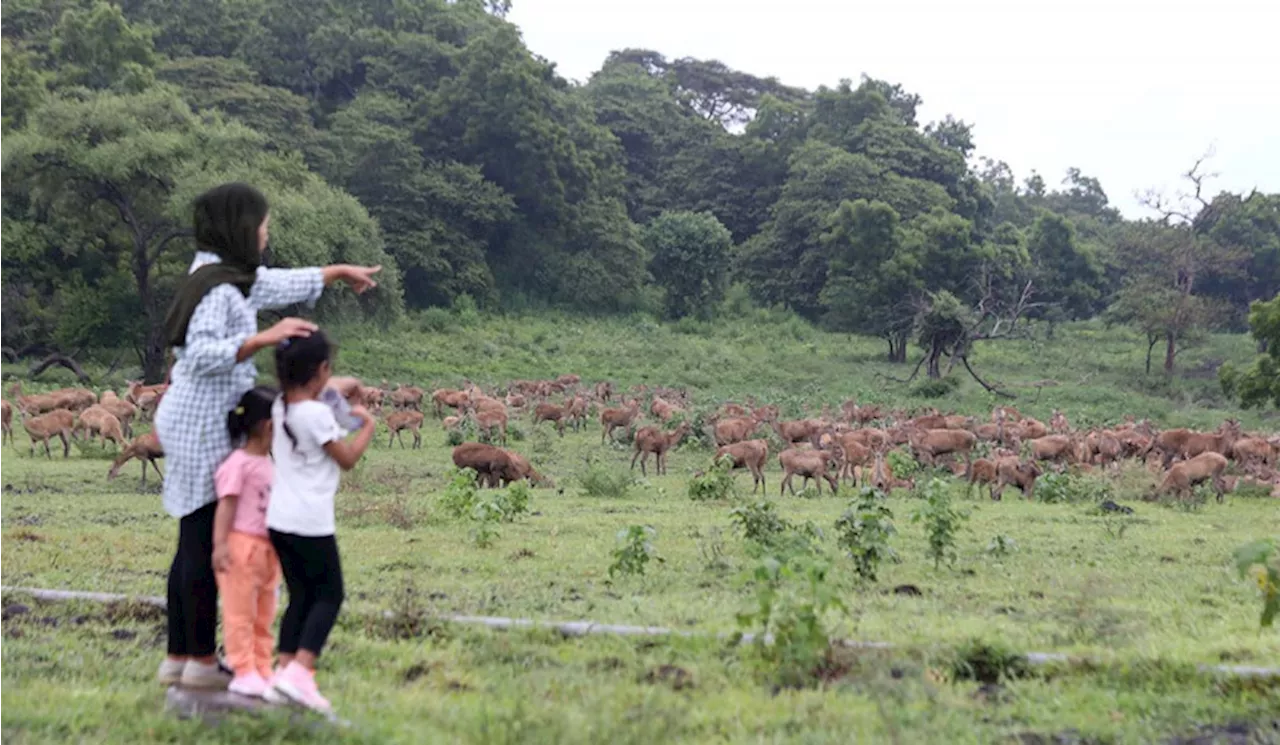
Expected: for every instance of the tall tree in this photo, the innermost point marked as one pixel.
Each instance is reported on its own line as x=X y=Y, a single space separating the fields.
x=689 y=257
x=1259 y=383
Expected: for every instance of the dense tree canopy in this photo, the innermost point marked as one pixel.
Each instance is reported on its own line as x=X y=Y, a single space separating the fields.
x=423 y=133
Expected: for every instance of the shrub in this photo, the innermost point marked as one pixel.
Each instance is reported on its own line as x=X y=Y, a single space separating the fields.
x=1053 y=488
x=904 y=465
x=1262 y=560
x=791 y=600
x=768 y=533
x=716 y=483
x=941 y=522
x=602 y=482
x=936 y=388
x=460 y=496
x=1001 y=546
x=988 y=663
x=635 y=550
x=863 y=531
x=436 y=320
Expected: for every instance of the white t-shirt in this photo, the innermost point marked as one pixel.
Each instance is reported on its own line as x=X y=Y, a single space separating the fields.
x=306 y=478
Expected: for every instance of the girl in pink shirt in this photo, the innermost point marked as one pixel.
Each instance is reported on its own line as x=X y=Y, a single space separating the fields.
x=245 y=564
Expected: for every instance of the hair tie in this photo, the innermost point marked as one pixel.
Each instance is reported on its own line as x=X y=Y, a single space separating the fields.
x=284 y=344
x=239 y=410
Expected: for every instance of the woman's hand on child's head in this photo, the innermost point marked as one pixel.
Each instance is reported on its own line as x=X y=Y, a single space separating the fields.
x=288 y=328
x=221 y=557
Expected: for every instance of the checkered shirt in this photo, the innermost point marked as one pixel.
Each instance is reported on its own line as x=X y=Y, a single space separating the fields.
x=206 y=381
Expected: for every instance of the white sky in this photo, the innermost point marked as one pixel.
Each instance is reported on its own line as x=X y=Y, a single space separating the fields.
x=1129 y=91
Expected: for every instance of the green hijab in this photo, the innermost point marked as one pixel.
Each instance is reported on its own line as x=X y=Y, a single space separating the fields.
x=227 y=218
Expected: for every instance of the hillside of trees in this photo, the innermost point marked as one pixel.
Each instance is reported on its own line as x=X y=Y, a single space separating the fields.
x=424 y=135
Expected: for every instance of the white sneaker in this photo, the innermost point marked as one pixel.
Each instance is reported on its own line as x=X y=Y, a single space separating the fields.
x=210 y=677
x=170 y=672
x=252 y=685
x=271 y=695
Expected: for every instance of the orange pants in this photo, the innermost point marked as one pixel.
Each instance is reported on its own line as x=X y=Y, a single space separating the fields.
x=248 y=589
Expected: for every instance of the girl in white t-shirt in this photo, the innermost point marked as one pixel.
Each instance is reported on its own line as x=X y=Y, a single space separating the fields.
x=310 y=450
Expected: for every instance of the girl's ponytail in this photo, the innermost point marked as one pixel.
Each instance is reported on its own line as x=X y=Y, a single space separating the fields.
x=254 y=407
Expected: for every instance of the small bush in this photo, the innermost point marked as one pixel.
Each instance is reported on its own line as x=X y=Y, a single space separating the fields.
x=1055 y=488
x=1262 y=560
x=600 y=481
x=465 y=310
x=904 y=465
x=768 y=533
x=436 y=320
x=716 y=483
x=460 y=496
x=941 y=522
x=1001 y=546
x=792 y=599
x=863 y=531
x=988 y=663
x=454 y=437
x=635 y=550
x=936 y=388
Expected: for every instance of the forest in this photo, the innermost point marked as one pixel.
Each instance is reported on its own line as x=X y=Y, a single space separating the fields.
x=425 y=136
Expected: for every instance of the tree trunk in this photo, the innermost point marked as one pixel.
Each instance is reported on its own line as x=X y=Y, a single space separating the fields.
x=1151 y=345
x=1170 y=351
x=153 y=356
x=933 y=369
x=897 y=348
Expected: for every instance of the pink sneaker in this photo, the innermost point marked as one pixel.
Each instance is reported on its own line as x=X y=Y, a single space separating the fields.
x=272 y=695
x=299 y=685
x=250 y=684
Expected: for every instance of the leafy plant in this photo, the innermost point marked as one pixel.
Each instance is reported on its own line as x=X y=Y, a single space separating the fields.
x=486 y=515
x=809 y=492
x=1262 y=560
x=1054 y=488
x=758 y=521
x=513 y=502
x=1001 y=546
x=603 y=482
x=715 y=484
x=635 y=551
x=988 y=663
x=460 y=496
x=792 y=598
x=904 y=465
x=941 y=522
x=711 y=548
x=863 y=531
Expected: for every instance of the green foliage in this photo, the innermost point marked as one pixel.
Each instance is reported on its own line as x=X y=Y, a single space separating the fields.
x=460 y=497
x=689 y=258
x=1261 y=559
x=864 y=530
x=941 y=521
x=602 y=482
x=714 y=484
x=988 y=663
x=789 y=621
x=1055 y=488
x=1259 y=384
x=1001 y=546
x=903 y=463
x=634 y=552
x=936 y=387
x=766 y=532
x=97 y=47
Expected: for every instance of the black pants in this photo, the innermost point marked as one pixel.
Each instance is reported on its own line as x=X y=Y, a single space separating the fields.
x=313 y=574
x=193 y=590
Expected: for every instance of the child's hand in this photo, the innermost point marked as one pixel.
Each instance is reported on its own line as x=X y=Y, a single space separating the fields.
x=221 y=557
x=360 y=412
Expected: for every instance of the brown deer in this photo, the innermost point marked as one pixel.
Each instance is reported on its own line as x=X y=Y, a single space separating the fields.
x=882 y=477
x=96 y=420
x=929 y=444
x=1059 y=424
x=6 y=420
x=981 y=472
x=1010 y=471
x=810 y=464
x=1186 y=474
x=729 y=431
x=492 y=421
x=58 y=423
x=456 y=400
x=398 y=421
x=749 y=454
x=146 y=448
x=551 y=413
x=654 y=440
x=624 y=418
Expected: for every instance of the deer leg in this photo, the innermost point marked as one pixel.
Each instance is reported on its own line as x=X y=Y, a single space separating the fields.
x=634 y=458
x=417 y=439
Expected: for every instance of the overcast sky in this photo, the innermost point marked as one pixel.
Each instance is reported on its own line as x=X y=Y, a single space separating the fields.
x=1129 y=91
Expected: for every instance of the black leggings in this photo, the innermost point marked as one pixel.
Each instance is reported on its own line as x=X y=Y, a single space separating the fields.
x=313 y=575
x=193 y=590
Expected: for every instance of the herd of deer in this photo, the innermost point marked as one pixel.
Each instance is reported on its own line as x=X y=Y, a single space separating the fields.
x=851 y=444
x=848 y=445
x=70 y=412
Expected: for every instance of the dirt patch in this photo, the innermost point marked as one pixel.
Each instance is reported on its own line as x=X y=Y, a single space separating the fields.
x=124 y=635
x=1065 y=737
x=910 y=591
x=415 y=671
x=1234 y=733
x=13 y=610
x=672 y=676
x=124 y=611
x=523 y=553
x=26 y=535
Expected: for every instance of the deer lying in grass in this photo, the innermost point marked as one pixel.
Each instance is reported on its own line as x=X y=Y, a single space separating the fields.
x=810 y=464
x=398 y=421
x=6 y=421
x=96 y=420
x=58 y=423
x=146 y=448
x=748 y=454
x=1185 y=475
x=624 y=418
x=654 y=440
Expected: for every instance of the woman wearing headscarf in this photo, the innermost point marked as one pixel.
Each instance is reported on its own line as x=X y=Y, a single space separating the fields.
x=213 y=327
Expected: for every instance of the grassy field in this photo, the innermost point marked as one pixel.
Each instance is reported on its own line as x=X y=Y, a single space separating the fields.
x=1143 y=598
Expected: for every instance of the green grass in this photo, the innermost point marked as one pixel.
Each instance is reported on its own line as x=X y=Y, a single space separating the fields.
x=1145 y=606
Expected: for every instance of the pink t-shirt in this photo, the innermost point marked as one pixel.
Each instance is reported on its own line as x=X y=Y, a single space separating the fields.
x=247 y=477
